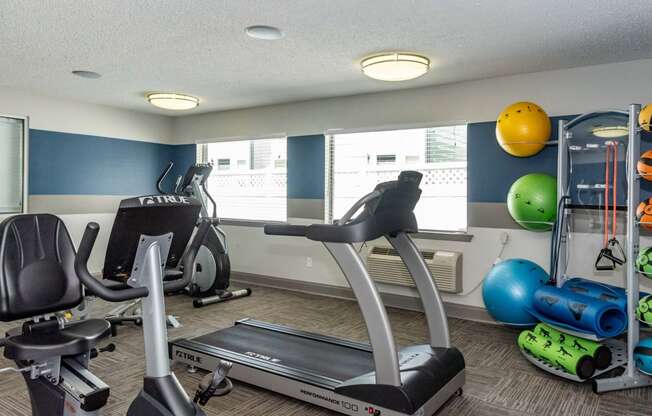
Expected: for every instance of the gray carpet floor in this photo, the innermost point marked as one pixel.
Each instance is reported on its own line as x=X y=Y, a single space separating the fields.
x=499 y=380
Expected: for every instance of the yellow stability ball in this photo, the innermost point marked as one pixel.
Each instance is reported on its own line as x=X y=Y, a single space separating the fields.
x=645 y=117
x=522 y=129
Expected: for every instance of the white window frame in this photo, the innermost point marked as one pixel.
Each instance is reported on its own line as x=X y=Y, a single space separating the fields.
x=202 y=157
x=328 y=142
x=25 y=170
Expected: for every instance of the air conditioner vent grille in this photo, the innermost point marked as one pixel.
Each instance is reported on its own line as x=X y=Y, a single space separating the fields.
x=385 y=266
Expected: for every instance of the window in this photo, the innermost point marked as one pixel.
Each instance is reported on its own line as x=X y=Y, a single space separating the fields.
x=439 y=153
x=254 y=187
x=223 y=164
x=12 y=164
x=385 y=159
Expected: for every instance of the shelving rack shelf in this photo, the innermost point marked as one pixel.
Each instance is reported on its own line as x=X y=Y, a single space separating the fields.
x=631 y=377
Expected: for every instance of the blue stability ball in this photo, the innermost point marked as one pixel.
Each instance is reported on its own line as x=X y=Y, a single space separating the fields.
x=509 y=288
x=643 y=355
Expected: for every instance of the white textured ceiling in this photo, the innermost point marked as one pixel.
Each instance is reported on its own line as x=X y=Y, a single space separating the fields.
x=199 y=46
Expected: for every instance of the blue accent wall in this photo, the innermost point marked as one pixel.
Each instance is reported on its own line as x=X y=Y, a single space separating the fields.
x=491 y=170
x=76 y=164
x=306 y=166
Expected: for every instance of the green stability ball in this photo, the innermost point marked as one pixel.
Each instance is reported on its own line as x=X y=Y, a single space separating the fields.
x=532 y=201
x=644 y=262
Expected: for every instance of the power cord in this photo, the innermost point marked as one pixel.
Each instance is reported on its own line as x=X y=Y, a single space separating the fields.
x=504 y=239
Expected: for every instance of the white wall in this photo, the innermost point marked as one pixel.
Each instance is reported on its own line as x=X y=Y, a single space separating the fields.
x=285 y=257
x=559 y=92
x=69 y=116
x=567 y=91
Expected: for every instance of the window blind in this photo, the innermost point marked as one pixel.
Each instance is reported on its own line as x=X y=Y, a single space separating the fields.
x=12 y=169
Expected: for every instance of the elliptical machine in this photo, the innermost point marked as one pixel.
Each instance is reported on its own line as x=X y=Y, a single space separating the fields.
x=212 y=269
x=40 y=276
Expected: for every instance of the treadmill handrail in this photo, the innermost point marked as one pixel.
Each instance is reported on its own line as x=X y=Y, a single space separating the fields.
x=286 y=229
x=356 y=207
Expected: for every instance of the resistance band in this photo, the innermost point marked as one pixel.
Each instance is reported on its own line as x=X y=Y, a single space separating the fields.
x=608 y=259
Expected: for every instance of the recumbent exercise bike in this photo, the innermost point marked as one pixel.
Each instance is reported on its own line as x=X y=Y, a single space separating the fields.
x=41 y=276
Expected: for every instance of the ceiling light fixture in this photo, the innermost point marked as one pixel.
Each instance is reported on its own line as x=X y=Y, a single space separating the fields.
x=610 y=132
x=395 y=66
x=264 y=32
x=86 y=74
x=172 y=101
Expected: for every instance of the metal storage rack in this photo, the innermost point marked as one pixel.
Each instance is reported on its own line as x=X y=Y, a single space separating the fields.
x=631 y=377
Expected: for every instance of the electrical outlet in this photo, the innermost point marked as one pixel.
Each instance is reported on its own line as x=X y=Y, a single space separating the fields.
x=308 y=261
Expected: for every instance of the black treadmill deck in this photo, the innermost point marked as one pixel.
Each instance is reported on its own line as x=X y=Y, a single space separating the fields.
x=308 y=354
x=346 y=368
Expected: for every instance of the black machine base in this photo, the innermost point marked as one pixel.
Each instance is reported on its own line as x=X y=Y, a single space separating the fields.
x=426 y=371
x=163 y=396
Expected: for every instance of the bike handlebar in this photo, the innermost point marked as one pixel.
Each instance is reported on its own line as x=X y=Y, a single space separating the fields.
x=96 y=286
x=120 y=293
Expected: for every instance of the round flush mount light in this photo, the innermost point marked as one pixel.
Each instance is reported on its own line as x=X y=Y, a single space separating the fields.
x=264 y=32
x=395 y=66
x=86 y=74
x=610 y=132
x=172 y=101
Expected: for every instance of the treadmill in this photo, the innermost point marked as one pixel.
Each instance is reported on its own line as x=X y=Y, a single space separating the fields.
x=345 y=376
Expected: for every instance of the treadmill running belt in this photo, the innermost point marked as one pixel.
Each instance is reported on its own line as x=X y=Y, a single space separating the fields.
x=328 y=360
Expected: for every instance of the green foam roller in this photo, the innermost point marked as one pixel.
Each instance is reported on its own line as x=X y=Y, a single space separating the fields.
x=600 y=353
x=559 y=355
x=644 y=262
x=644 y=310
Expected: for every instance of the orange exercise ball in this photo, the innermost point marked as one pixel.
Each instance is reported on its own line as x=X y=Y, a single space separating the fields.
x=644 y=165
x=522 y=129
x=644 y=213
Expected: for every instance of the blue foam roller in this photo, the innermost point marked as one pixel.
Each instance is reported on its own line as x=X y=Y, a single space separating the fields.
x=578 y=312
x=602 y=291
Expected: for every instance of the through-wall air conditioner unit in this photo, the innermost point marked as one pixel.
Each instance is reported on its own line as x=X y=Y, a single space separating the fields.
x=385 y=266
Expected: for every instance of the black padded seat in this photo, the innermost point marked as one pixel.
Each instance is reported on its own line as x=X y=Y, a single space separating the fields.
x=76 y=338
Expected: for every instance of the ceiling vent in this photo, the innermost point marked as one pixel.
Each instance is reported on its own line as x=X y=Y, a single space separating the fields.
x=385 y=266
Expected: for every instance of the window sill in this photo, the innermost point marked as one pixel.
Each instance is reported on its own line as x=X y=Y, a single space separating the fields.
x=443 y=236
x=247 y=223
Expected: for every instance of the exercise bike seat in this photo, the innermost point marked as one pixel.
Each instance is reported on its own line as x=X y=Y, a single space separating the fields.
x=76 y=338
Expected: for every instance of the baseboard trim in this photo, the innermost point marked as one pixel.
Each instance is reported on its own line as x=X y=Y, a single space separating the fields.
x=453 y=310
